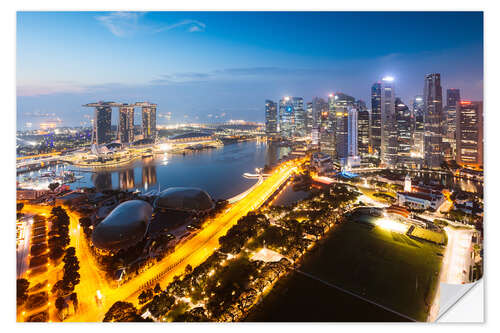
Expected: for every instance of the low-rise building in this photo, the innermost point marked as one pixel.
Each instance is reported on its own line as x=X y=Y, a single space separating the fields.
x=419 y=200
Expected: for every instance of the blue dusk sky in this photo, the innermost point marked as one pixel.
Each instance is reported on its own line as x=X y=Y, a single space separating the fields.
x=214 y=66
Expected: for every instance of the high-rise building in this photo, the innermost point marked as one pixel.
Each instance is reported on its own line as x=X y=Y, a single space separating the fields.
x=271 y=118
x=299 y=115
x=286 y=117
x=320 y=112
x=450 y=111
x=292 y=117
x=341 y=106
x=389 y=134
x=364 y=133
x=433 y=121
x=404 y=130
x=148 y=119
x=418 y=127
x=469 y=124
x=376 y=100
x=309 y=118
x=102 y=124
x=126 y=123
x=330 y=121
x=327 y=142
x=352 y=137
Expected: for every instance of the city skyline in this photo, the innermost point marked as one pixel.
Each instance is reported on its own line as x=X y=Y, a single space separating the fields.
x=219 y=70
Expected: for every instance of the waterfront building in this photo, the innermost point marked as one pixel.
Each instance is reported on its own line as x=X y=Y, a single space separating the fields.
x=124 y=227
x=188 y=199
x=102 y=125
x=389 y=134
x=433 y=121
x=148 y=120
x=469 y=124
x=126 y=123
x=271 y=118
x=375 y=128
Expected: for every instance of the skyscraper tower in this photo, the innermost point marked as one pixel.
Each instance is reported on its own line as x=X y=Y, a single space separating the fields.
x=469 y=124
x=376 y=99
x=320 y=112
x=299 y=115
x=101 y=128
x=103 y=124
x=352 y=133
x=286 y=117
x=418 y=127
x=450 y=128
x=404 y=130
x=126 y=123
x=389 y=134
x=433 y=121
x=364 y=132
x=148 y=120
x=309 y=118
x=342 y=104
x=271 y=118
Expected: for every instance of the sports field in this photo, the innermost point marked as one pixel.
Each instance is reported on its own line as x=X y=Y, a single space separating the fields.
x=382 y=265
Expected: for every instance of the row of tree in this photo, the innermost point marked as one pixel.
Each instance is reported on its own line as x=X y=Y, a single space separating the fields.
x=59 y=233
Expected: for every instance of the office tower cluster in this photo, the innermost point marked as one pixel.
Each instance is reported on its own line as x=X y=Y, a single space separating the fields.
x=421 y=134
x=102 y=132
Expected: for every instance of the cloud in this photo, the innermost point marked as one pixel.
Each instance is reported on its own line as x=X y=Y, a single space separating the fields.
x=121 y=24
x=230 y=73
x=125 y=24
x=192 y=26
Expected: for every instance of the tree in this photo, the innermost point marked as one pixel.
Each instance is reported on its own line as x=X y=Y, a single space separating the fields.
x=19 y=206
x=60 y=303
x=22 y=287
x=157 y=289
x=122 y=312
x=74 y=298
x=53 y=186
x=188 y=269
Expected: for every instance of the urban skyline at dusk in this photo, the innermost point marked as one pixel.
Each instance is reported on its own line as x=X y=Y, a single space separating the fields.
x=248 y=166
x=203 y=67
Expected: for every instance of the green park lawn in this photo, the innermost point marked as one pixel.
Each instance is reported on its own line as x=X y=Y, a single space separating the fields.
x=382 y=265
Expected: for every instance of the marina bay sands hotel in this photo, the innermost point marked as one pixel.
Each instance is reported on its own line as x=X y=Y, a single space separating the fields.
x=102 y=132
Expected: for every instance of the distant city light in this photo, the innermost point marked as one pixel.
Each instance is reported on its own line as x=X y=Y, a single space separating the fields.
x=388 y=79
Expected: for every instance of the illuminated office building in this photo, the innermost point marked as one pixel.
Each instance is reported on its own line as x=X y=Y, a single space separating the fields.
x=126 y=123
x=271 y=118
x=433 y=121
x=376 y=114
x=469 y=124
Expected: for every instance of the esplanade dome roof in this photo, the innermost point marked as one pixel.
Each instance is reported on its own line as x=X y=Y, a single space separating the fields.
x=125 y=226
x=184 y=198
